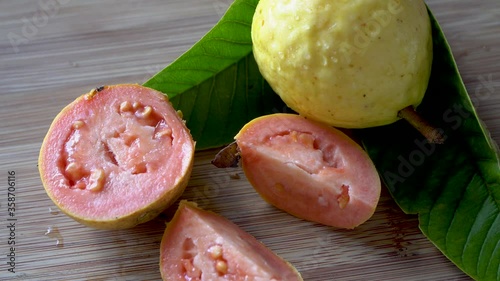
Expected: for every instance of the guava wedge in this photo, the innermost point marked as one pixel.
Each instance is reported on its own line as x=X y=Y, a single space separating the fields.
x=200 y=245
x=116 y=157
x=309 y=169
x=350 y=64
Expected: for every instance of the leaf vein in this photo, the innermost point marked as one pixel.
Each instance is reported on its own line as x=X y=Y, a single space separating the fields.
x=227 y=40
x=249 y=3
x=482 y=251
x=470 y=232
x=455 y=216
x=237 y=22
x=495 y=250
x=205 y=120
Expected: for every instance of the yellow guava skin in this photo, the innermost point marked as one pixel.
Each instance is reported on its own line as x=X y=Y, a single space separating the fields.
x=347 y=63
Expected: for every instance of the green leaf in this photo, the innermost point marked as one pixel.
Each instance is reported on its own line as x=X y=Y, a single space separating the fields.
x=454 y=187
x=217 y=84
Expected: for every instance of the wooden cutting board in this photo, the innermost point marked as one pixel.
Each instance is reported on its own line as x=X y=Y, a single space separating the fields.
x=52 y=51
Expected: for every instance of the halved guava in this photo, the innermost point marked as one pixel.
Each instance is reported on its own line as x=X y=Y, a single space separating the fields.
x=200 y=245
x=309 y=169
x=116 y=157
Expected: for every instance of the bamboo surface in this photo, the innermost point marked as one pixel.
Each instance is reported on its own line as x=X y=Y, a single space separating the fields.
x=64 y=48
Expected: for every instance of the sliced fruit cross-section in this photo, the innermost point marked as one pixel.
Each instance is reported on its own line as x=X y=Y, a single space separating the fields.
x=116 y=157
x=309 y=170
x=199 y=245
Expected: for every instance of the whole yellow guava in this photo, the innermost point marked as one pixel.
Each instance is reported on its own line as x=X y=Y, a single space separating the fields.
x=347 y=63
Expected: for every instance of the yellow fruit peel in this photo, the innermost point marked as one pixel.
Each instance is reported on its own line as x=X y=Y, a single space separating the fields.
x=351 y=64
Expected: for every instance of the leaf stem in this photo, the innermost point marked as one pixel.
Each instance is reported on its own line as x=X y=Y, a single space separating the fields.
x=433 y=134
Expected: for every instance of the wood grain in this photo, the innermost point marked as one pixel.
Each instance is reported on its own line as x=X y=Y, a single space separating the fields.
x=79 y=45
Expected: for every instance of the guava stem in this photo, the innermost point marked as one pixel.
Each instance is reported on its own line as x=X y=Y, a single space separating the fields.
x=433 y=134
x=228 y=157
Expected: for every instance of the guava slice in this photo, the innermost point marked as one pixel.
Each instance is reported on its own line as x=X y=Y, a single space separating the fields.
x=310 y=170
x=200 y=245
x=116 y=157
